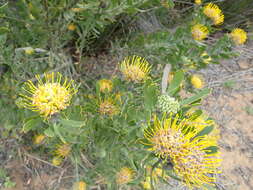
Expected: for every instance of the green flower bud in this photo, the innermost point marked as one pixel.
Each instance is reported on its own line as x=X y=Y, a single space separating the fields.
x=168 y=104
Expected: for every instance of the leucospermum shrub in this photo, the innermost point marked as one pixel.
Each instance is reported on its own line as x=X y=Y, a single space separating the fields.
x=128 y=130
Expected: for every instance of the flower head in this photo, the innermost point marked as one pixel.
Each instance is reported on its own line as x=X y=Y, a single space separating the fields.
x=49 y=97
x=81 y=185
x=63 y=150
x=29 y=51
x=71 y=27
x=56 y=161
x=105 y=85
x=199 y=32
x=206 y=58
x=108 y=107
x=213 y=12
x=239 y=36
x=124 y=176
x=39 y=138
x=168 y=104
x=135 y=68
x=189 y=153
x=198 y=2
x=197 y=81
x=76 y=10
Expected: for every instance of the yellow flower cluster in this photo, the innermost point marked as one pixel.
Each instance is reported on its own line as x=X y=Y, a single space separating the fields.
x=135 y=68
x=39 y=138
x=63 y=150
x=197 y=81
x=81 y=185
x=49 y=97
x=108 y=107
x=199 y=32
x=105 y=85
x=198 y=2
x=214 y=13
x=239 y=36
x=124 y=176
x=189 y=153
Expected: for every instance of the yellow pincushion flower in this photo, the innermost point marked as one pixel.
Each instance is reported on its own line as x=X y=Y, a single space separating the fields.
x=63 y=150
x=147 y=183
x=56 y=161
x=206 y=58
x=81 y=185
x=135 y=68
x=105 y=85
x=199 y=32
x=189 y=153
x=124 y=176
x=239 y=36
x=71 y=27
x=198 y=2
x=48 y=97
x=76 y=10
x=39 y=138
x=29 y=51
x=214 y=13
x=197 y=81
x=108 y=107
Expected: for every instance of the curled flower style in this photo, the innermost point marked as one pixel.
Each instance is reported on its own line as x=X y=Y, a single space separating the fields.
x=199 y=32
x=239 y=36
x=182 y=144
x=48 y=97
x=124 y=176
x=135 y=68
x=214 y=13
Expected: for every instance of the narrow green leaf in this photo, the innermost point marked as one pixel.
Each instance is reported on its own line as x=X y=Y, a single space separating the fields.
x=150 y=96
x=72 y=123
x=175 y=83
x=196 y=97
x=49 y=132
x=57 y=132
x=30 y=124
x=211 y=149
x=205 y=131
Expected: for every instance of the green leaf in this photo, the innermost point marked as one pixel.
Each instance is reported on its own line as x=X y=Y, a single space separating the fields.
x=49 y=132
x=249 y=110
x=57 y=132
x=175 y=83
x=211 y=149
x=150 y=96
x=205 y=131
x=31 y=123
x=196 y=97
x=72 y=123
